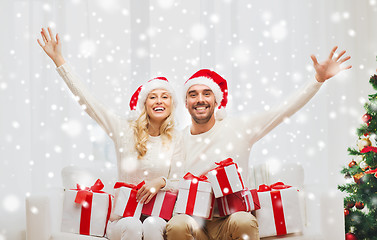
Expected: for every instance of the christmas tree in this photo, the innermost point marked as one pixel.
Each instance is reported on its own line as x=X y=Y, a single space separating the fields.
x=360 y=204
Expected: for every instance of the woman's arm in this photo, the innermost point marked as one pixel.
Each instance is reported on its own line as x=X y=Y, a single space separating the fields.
x=102 y=115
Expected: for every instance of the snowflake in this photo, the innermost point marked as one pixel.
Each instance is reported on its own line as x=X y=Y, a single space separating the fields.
x=11 y=203
x=165 y=4
x=214 y=18
x=279 y=31
x=109 y=5
x=87 y=48
x=351 y=32
x=72 y=128
x=198 y=32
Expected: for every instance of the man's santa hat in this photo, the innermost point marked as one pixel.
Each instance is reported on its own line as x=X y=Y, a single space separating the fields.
x=216 y=83
x=140 y=95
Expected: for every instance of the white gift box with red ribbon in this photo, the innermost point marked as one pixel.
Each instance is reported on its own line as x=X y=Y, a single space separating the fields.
x=195 y=197
x=126 y=204
x=225 y=179
x=86 y=210
x=245 y=200
x=280 y=210
x=161 y=205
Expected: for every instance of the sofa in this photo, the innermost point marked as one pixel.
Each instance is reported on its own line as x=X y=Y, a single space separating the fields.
x=321 y=209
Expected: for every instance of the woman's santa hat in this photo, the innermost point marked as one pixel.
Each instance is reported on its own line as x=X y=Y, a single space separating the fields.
x=140 y=95
x=216 y=83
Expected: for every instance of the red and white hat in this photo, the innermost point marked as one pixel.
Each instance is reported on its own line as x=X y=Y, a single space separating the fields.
x=140 y=95
x=216 y=83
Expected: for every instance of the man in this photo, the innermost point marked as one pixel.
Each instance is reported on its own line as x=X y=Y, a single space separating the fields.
x=211 y=140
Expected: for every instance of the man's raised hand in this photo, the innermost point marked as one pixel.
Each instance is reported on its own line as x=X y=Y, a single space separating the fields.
x=331 y=66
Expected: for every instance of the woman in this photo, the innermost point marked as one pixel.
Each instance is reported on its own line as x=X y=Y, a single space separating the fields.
x=147 y=148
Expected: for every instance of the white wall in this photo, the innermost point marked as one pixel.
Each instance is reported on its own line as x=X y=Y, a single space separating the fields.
x=261 y=47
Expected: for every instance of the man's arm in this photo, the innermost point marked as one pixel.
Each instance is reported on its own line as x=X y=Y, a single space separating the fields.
x=265 y=122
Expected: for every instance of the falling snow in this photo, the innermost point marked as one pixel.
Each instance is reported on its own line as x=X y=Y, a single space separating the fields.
x=262 y=51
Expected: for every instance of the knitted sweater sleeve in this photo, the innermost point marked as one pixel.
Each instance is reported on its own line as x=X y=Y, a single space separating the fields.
x=263 y=123
x=177 y=164
x=102 y=115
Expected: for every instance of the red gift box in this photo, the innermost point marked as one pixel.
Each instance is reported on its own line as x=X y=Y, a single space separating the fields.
x=86 y=210
x=161 y=205
x=126 y=204
x=245 y=200
x=280 y=210
x=195 y=197
x=225 y=179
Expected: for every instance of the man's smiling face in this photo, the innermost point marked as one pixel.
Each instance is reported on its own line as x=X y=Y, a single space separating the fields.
x=201 y=103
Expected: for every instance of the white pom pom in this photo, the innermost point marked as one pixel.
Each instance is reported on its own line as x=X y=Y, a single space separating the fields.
x=220 y=114
x=133 y=115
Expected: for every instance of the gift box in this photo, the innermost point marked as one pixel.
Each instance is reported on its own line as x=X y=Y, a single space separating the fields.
x=245 y=200
x=161 y=205
x=225 y=179
x=126 y=204
x=279 y=212
x=195 y=196
x=86 y=210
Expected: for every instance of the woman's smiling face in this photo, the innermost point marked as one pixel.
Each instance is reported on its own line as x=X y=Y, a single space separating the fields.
x=158 y=105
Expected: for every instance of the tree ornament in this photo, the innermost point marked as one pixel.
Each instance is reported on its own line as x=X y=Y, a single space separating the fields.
x=351 y=236
x=363 y=165
x=359 y=158
x=362 y=143
x=347 y=176
x=366 y=118
x=352 y=163
x=346 y=212
x=357 y=178
x=350 y=204
x=359 y=205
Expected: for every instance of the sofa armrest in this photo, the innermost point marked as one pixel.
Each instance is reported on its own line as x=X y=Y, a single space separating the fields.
x=38 y=217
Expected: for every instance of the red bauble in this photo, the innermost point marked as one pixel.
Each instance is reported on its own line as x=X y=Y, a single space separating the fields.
x=350 y=205
x=346 y=212
x=351 y=236
x=352 y=163
x=366 y=118
x=359 y=205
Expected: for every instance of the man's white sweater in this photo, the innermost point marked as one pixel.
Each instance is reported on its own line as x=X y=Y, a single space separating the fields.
x=234 y=137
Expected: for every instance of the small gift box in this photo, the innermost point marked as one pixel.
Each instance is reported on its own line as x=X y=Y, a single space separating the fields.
x=245 y=200
x=86 y=210
x=195 y=197
x=225 y=179
x=126 y=204
x=280 y=210
x=161 y=205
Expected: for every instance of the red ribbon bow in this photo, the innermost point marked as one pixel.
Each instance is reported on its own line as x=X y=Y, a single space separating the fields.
x=275 y=186
x=83 y=192
x=190 y=176
x=122 y=184
x=225 y=162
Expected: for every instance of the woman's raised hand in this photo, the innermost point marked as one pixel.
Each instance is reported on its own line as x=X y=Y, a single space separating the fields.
x=52 y=46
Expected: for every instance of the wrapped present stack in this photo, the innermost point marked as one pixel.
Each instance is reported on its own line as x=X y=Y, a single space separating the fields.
x=195 y=195
x=87 y=210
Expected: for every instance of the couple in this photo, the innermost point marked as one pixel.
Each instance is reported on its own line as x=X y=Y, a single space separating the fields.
x=150 y=149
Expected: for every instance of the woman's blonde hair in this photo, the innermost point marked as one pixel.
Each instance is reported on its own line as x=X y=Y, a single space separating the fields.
x=141 y=135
